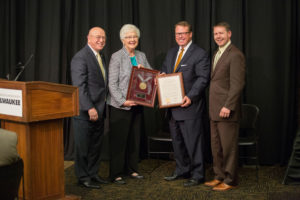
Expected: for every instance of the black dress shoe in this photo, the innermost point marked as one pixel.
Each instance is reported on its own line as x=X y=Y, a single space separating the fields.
x=119 y=181
x=192 y=182
x=137 y=176
x=99 y=180
x=172 y=178
x=88 y=184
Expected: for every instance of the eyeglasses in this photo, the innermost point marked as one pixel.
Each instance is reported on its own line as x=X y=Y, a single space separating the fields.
x=131 y=37
x=100 y=37
x=181 y=34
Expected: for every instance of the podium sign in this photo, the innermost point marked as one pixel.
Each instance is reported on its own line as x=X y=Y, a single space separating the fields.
x=11 y=102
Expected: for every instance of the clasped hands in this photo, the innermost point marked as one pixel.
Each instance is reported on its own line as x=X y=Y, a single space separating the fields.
x=93 y=114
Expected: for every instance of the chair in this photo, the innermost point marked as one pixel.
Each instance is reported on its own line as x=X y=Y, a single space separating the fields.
x=291 y=176
x=10 y=177
x=164 y=148
x=161 y=143
x=248 y=136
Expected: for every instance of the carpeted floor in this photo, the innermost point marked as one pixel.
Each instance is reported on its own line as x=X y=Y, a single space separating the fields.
x=153 y=187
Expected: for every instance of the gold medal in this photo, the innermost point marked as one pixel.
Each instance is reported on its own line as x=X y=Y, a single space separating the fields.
x=143 y=85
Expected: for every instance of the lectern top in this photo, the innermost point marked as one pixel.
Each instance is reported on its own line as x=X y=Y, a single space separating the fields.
x=37 y=101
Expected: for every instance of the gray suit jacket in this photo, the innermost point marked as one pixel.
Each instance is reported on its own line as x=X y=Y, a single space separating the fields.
x=86 y=74
x=227 y=83
x=8 y=147
x=196 y=71
x=119 y=76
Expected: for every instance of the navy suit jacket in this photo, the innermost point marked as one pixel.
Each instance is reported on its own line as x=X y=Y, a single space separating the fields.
x=86 y=74
x=195 y=69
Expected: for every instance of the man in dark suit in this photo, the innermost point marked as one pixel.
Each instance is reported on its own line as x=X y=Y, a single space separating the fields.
x=227 y=83
x=185 y=121
x=90 y=75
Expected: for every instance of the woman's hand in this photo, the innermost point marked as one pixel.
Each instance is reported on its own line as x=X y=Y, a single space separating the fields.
x=140 y=66
x=129 y=103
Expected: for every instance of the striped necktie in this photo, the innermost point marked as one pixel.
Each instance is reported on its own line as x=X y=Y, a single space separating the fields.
x=217 y=57
x=101 y=65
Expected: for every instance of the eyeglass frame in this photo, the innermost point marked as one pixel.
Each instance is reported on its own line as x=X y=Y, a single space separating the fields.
x=99 y=37
x=182 y=34
x=131 y=37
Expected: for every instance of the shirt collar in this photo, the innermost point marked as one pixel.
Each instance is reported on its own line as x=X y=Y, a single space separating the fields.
x=126 y=52
x=95 y=52
x=186 y=47
x=222 y=49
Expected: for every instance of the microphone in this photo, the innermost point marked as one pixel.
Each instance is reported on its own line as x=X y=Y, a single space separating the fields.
x=18 y=66
x=23 y=67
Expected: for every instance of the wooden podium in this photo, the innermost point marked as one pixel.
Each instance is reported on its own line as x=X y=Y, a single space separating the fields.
x=40 y=133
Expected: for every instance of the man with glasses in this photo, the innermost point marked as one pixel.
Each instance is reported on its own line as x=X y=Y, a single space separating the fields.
x=185 y=121
x=89 y=74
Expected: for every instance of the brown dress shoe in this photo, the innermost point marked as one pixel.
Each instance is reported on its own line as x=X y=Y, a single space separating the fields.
x=223 y=187
x=213 y=183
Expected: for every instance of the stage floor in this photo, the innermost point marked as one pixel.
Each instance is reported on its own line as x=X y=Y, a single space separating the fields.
x=154 y=187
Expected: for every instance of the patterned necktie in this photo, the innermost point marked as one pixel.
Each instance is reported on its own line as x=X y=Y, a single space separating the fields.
x=217 y=57
x=101 y=65
x=178 y=59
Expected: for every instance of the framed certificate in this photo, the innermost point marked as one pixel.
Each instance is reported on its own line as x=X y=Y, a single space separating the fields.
x=170 y=90
x=142 y=88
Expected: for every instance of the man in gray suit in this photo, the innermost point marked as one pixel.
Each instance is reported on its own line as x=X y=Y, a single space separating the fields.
x=185 y=122
x=226 y=86
x=88 y=71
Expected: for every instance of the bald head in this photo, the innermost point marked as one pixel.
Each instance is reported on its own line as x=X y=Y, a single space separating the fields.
x=96 y=38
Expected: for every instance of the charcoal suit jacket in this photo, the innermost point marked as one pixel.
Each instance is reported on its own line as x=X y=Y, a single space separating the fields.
x=86 y=74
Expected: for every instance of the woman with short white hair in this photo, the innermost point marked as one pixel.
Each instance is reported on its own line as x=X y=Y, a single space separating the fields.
x=125 y=115
x=129 y=28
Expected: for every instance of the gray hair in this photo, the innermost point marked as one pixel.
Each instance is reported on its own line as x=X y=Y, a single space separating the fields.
x=129 y=28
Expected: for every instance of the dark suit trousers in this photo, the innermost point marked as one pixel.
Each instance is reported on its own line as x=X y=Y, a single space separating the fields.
x=88 y=137
x=187 y=140
x=224 y=145
x=124 y=140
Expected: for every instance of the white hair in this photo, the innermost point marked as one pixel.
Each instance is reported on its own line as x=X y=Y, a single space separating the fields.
x=127 y=28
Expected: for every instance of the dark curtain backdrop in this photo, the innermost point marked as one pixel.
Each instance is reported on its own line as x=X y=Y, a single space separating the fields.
x=266 y=31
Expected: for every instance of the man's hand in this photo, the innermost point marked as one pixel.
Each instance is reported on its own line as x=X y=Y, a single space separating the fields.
x=129 y=103
x=93 y=114
x=186 y=101
x=224 y=113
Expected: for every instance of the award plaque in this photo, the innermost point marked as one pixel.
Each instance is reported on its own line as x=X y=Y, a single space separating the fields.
x=142 y=88
x=170 y=90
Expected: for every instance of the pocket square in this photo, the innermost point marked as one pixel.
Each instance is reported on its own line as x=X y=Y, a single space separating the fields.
x=183 y=65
